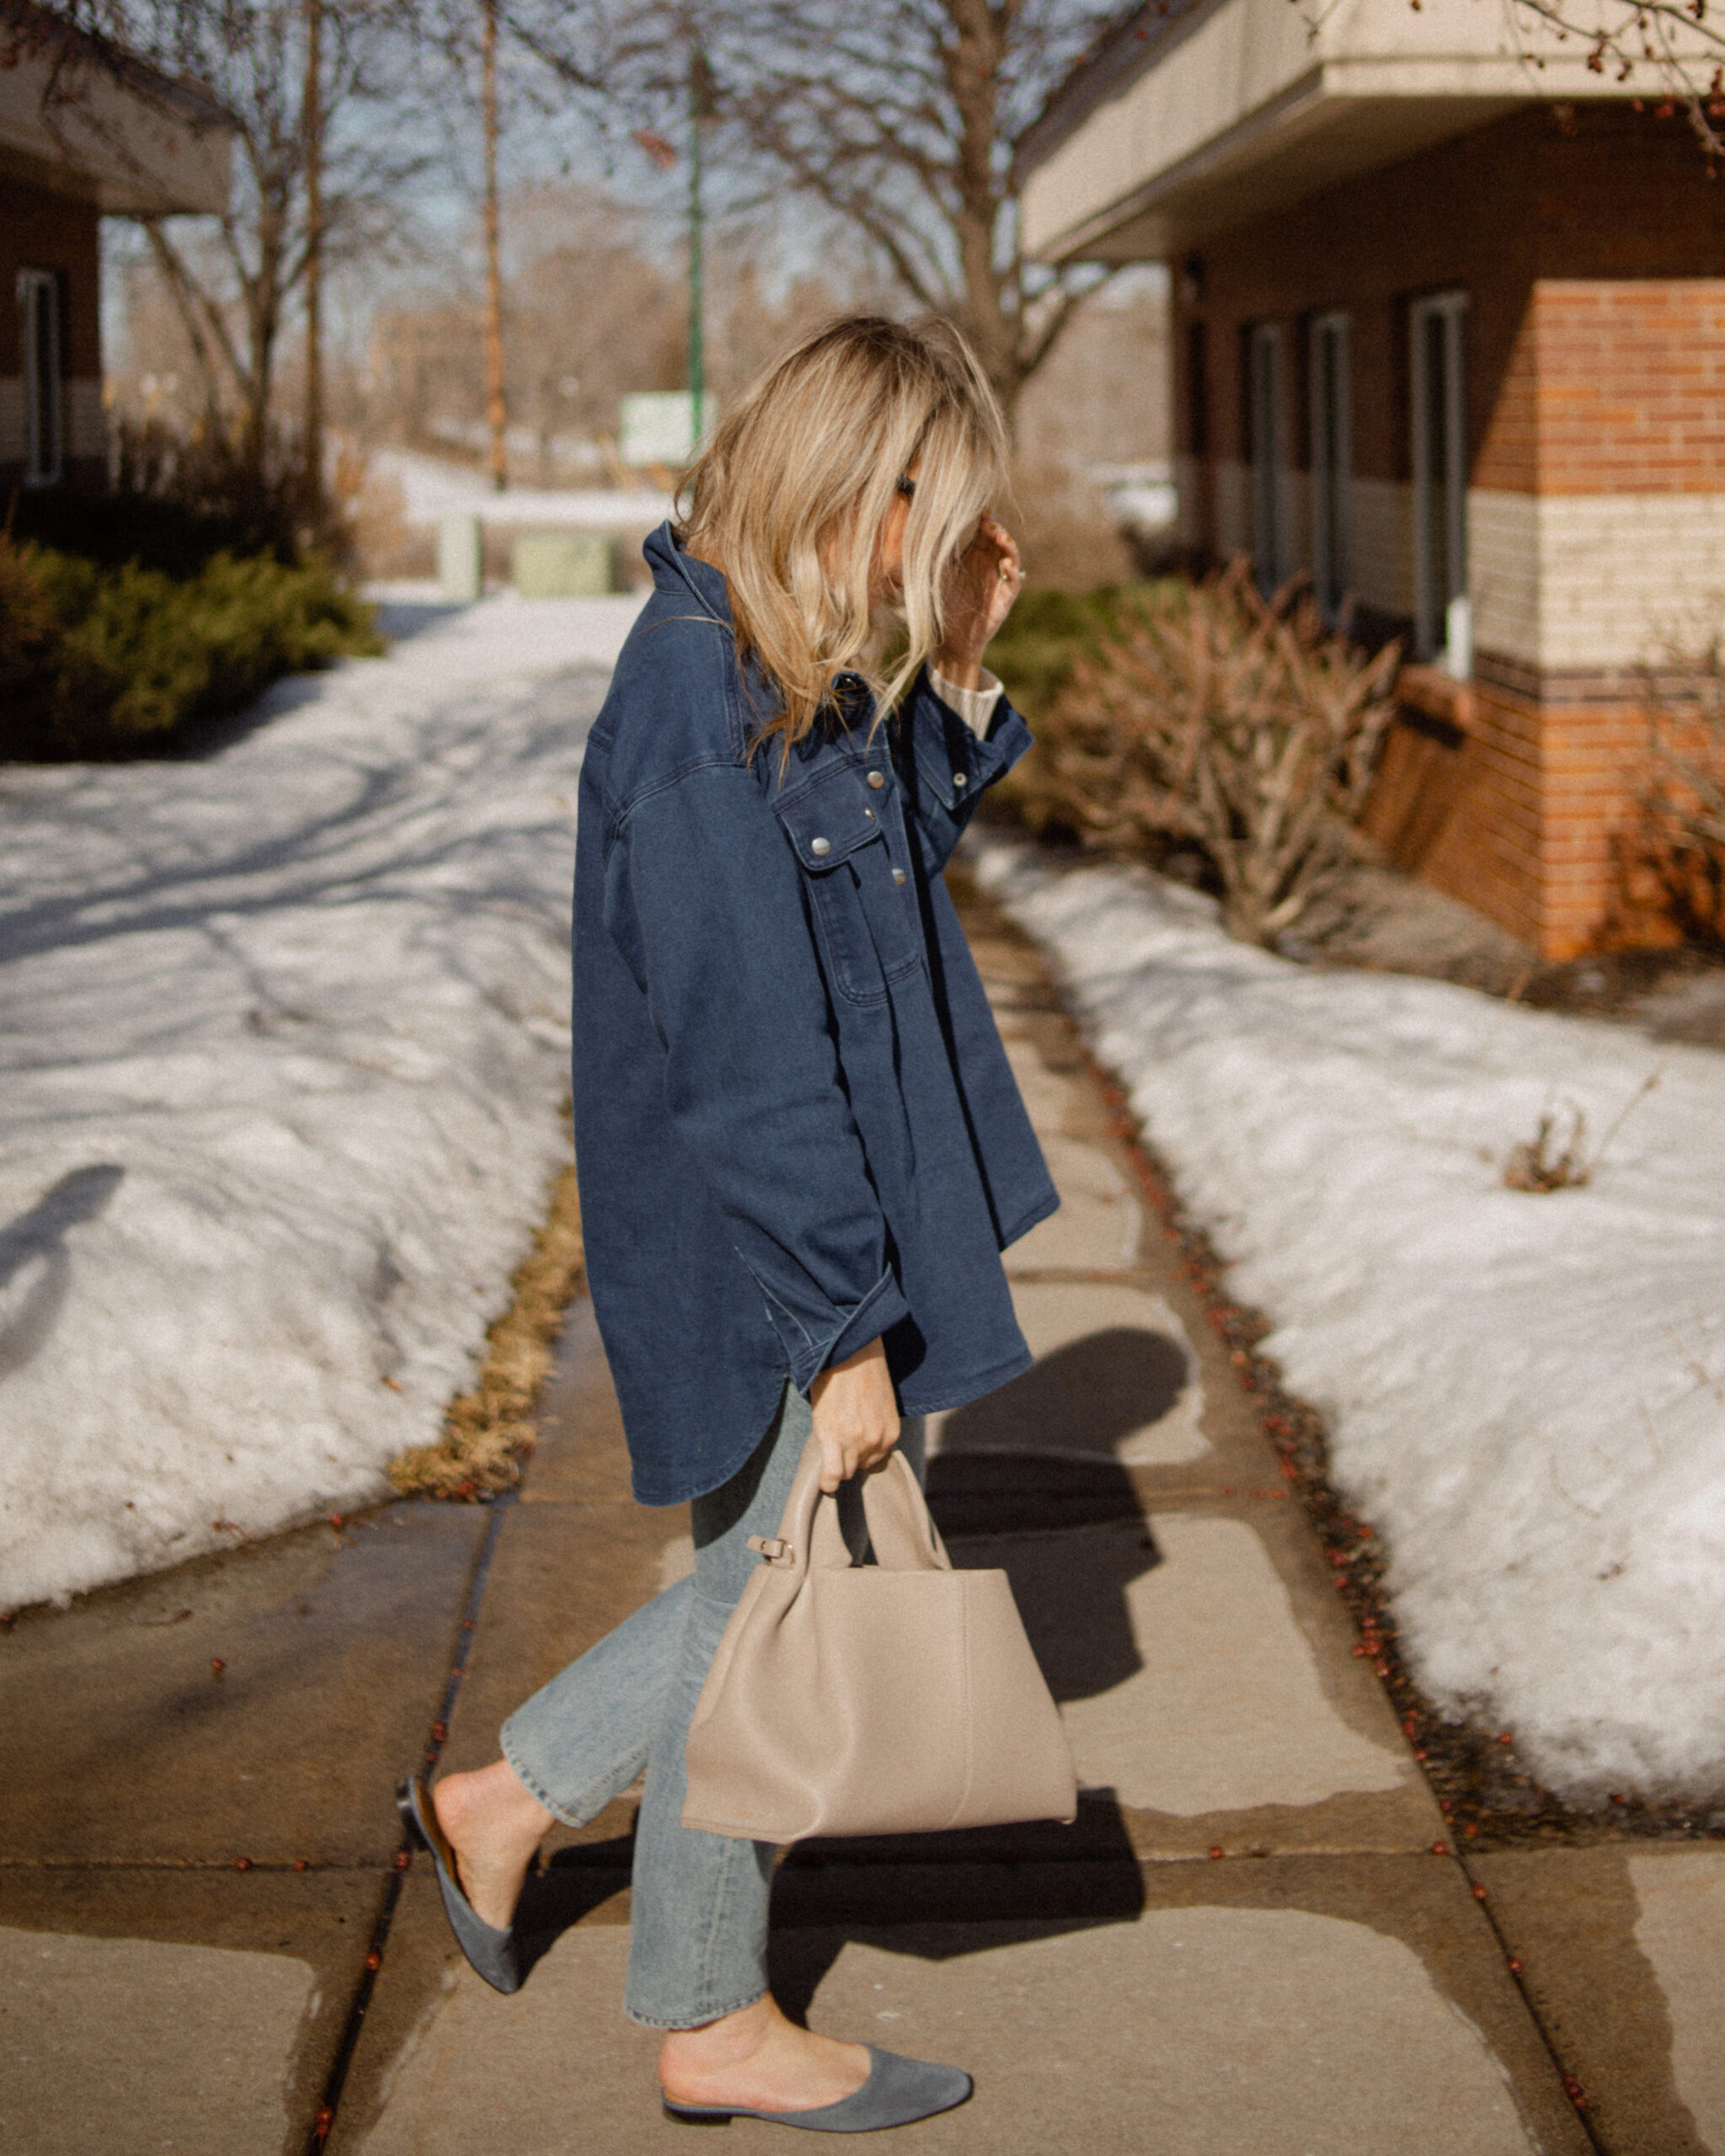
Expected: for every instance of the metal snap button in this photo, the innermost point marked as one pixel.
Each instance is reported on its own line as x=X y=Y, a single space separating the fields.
x=819 y=847
x=869 y=813
x=961 y=778
x=875 y=780
x=898 y=875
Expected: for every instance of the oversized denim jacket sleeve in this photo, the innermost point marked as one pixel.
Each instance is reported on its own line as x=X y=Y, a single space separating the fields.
x=946 y=769
x=705 y=901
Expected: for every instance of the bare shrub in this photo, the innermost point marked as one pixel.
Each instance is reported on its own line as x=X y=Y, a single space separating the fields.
x=1544 y=1163
x=1541 y=1164
x=1213 y=716
x=1681 y=792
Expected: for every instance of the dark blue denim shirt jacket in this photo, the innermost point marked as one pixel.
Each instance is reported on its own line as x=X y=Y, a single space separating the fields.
x=795 y=1124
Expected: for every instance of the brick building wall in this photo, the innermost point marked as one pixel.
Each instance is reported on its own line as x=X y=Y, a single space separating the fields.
x=41 y=230
x=1591 y=249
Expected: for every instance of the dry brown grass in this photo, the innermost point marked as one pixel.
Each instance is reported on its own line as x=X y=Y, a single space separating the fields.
x=488 y=1432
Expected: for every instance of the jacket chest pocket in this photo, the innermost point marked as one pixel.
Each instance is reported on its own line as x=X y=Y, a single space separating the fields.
x=848 y=839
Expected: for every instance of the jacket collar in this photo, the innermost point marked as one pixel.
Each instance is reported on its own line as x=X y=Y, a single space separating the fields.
x=677 y=571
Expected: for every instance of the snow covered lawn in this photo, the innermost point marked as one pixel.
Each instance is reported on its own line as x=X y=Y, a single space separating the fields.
x=1526 y=1394
x=283 y=1042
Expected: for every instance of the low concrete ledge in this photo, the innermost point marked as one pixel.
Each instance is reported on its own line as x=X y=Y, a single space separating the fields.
x=1435 y=694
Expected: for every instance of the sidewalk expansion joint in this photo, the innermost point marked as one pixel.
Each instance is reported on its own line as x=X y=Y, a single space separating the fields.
x=436 y=1736
x=359 y=1866
x=1354 y=1555
x=1571 y=2086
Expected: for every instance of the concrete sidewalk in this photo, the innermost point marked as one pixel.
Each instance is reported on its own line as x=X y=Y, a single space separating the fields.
x=1246 y=1945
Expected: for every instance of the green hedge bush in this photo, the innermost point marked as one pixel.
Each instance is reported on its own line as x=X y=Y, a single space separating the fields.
x=1045 y=632
x=101 y=661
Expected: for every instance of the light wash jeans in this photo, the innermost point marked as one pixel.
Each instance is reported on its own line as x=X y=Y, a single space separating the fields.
x=697 y=1944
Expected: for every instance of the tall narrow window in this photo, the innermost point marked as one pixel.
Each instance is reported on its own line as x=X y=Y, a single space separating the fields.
x=39 y=311
x=1265 y=393
x=1443 y=624
x=1332 y=460
x=1197 y=389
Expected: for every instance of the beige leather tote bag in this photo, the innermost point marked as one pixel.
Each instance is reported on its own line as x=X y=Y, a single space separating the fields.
x=895 y=1698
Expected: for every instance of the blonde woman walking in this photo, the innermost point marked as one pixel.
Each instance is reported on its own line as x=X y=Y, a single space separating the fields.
x=801 y=1149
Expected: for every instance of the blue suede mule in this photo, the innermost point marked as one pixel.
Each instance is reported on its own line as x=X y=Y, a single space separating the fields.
x=898 y=2092
x=491 y=1952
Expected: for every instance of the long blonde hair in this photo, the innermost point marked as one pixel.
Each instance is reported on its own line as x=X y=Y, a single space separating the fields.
x=791 y=496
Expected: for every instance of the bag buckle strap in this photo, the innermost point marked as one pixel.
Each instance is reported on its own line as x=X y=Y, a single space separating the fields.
x=773 y=1548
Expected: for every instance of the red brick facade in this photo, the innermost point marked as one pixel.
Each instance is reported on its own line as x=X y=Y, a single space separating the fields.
x=1591 y=249
x=1612 y=388
x=39 y=230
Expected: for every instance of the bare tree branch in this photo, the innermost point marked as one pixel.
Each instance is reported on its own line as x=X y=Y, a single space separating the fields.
x=902 y=119
x=1668 y=52
x=235 y=295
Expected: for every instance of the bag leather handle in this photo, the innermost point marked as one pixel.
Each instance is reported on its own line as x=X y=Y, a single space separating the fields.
x=900 y=1527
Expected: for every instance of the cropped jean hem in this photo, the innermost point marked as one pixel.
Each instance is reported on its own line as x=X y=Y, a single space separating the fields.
x=577 y=1817
x=718 y=2013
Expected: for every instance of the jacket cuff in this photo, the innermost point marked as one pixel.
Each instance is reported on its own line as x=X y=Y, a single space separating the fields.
x=878 y=1312
x=956 y=767
x=976 y=706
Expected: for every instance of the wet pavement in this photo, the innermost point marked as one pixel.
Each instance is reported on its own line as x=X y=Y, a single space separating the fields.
x=1245 y=1946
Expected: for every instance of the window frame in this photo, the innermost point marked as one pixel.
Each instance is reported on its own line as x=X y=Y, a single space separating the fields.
x=1198 y=435
x=43 y=390
x=1442 y=628
x=1266 y=441
x=1331 y=336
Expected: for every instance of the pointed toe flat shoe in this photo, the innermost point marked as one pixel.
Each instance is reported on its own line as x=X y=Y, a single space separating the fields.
x=898 y=2092
x=491 y=1952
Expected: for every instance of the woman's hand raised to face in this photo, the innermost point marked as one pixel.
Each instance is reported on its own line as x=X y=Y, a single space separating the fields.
x=985 y=580
x=856 y=1415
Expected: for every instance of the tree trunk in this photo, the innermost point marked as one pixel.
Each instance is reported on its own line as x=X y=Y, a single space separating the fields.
x=262 y=305
x=496 y=406
x=972 y=60
x=311 y=124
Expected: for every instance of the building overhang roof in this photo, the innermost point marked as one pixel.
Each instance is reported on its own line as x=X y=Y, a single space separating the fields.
x=1180 y=127
x=82 y=117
